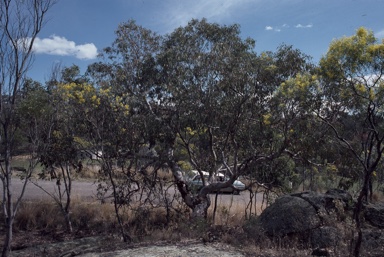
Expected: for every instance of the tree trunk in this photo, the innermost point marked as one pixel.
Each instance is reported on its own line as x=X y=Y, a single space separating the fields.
x=68 y=222
x=68 y=190
x=108 y=168
x=8 y=206
x=19 y=20
x=201 y=206
x=357 y=212
x=198 y=203
x=8 y=237
x=215 y=208
x=8 y=230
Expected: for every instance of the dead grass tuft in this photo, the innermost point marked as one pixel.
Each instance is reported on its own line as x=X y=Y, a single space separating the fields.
x=377 y=197
x=93 y=216
x=142 y=223
x=42 y=215
x=89 y=172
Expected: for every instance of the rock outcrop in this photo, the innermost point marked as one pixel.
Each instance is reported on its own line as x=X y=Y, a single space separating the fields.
x=289 y=214
x=374 y=214
x=320 y=221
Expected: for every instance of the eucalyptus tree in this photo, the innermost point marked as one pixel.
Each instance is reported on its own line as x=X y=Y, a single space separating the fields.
x=290 y=110
x=120 y=126
x=60 y=148
x=31 y=115
x=203 y=94
x=237 y=106
x=227 y=112
x=208 y=92
x=105 y=130
x=352 y=90
x=20 y=23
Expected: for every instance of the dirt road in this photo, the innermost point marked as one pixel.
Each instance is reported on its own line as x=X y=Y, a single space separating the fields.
x=80 y=189
x=86 y=191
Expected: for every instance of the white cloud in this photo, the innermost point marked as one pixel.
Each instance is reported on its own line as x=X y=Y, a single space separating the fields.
x=56 y=45
x=276 y=29
x=300 y=26
x=285 y=26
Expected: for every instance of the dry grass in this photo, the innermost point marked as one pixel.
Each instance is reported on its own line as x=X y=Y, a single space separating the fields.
x=95 y=218
x=377 y=197
x=145 y=224
x=46 y=215
x=42 y=215
x=233 y=213
x=142 y=223
x=90 y=172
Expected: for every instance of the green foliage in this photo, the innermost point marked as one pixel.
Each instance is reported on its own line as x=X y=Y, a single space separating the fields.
x=352 y=92
x=201 y=97
x=352 y=69
x=61 y=149
x=32 y=115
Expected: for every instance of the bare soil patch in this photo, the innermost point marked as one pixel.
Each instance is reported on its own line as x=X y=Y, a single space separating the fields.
x=40 y=244
x=43 y=244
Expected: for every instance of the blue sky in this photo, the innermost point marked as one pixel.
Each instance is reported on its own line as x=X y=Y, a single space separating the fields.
x=78 y=29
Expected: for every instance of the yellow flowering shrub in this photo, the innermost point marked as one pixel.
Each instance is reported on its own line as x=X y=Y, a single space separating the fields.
x=86 y=94
x=79 y=93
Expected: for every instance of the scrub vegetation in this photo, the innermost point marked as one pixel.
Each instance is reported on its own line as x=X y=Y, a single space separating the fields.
x=154 y=107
